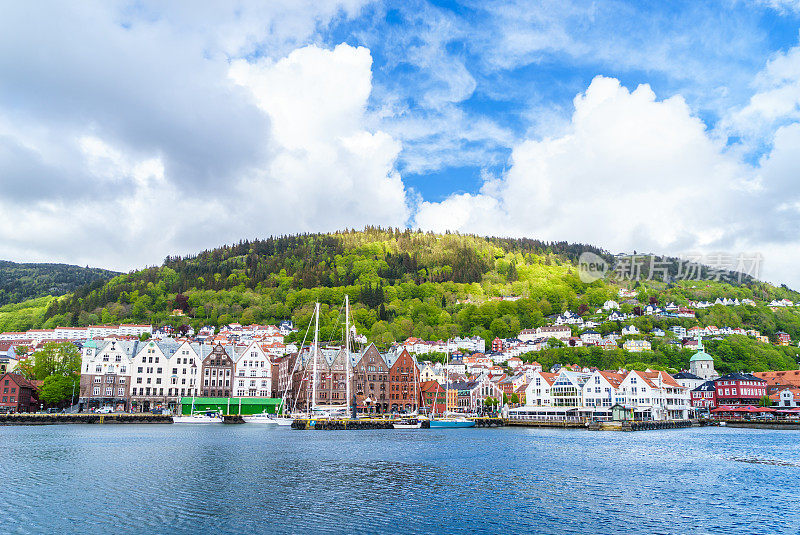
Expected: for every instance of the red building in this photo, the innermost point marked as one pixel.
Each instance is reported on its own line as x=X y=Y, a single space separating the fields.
x=739 y=389
x=784 y=339
x=704 y=396
x=433 y=397
x=497 y=345
x=404 y=383
x=18 y=394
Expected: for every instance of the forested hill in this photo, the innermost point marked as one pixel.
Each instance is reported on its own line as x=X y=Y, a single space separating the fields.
x=401 y=283
x=19 y=282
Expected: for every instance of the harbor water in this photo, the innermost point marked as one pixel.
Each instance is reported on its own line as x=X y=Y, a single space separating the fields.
x=257 y=479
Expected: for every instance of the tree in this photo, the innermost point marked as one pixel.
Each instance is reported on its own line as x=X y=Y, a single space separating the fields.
x=514 y=399
x=144 y=337
x=765 y=401
x=58 y=388
x=61 y=359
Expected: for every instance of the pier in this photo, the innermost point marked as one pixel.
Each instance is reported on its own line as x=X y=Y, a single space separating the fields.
x=341 y=424
x=83 y=418
x=646 y=425
x=565 y=423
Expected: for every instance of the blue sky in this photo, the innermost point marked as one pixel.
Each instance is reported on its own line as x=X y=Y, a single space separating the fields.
x=133 y=130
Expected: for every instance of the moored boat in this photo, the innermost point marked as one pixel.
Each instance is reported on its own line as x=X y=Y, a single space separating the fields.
x=451 y=423
x=207 y=417
x=407 y=424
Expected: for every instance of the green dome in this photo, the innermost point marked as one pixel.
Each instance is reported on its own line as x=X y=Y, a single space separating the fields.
x=701 y=355
x=90 y=343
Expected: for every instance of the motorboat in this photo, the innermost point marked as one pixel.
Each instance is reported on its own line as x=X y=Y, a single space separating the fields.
x=199 y=417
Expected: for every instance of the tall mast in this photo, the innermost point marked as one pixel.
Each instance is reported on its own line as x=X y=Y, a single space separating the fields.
x=347 y=347
x=316 y=351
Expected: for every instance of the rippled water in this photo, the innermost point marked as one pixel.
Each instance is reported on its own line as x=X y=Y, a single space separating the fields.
x=237 y=479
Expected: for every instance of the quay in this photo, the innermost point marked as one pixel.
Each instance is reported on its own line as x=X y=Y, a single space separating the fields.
x=645 y=425
x=566 y=423
x=87 y=418
x=341 y=424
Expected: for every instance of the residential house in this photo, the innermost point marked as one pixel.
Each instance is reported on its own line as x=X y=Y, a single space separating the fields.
x=636 y=346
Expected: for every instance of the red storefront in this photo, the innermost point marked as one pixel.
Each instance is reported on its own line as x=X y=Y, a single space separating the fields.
x=704 y=396
x=18 y=394
x=739 y=389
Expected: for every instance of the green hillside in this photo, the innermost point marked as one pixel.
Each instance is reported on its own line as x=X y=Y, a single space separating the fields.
x=19 y=282
x=403 y=283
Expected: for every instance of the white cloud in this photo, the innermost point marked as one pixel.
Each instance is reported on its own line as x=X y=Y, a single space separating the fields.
x=776 y=100
x=632 y=173
x=142 y=139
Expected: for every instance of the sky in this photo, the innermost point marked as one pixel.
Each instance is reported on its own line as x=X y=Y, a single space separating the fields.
x=130 y=131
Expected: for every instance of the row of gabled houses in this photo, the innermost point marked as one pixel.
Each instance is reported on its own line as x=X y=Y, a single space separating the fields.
x=648 y=395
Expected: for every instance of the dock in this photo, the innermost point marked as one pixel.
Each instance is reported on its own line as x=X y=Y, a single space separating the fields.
x=647 y=425
x=342 y=424
x=84 y=418
x=560 y=424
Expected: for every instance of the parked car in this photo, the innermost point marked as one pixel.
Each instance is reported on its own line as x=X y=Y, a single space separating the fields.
x=105 y=410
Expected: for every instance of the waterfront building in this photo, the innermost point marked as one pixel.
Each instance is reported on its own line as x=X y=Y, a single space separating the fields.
x=537 y=392
x=403 y=383
x=704 y=397
x=567 y=389
x=253 y=369
x=601 y=390
x=371 y=376
x=150 y=376
x=217 y=372
x=106 y=373
x=18 y=394
x=739 y=389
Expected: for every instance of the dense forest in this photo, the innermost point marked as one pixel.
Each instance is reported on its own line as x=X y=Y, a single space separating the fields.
x=19 y=282
x=402 y=283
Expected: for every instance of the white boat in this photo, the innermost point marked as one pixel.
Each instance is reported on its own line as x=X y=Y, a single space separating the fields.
x=263 y=418
x=407 y=424
x=207 y=417
x=267 y=419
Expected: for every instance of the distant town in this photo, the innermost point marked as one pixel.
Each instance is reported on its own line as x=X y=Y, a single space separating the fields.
x=139 y=368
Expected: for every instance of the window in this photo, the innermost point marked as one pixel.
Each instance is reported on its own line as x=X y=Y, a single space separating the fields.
x=109 y=391
x=98 y=379
x=122 y=380
x=120 y=392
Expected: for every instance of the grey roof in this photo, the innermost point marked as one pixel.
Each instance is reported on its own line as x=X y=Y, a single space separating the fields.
x=686 y=375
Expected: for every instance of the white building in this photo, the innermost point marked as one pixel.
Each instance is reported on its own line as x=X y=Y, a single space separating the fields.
x=252 y=372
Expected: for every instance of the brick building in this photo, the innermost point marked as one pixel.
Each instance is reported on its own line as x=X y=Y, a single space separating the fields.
x=404 y=383
x=18 y=394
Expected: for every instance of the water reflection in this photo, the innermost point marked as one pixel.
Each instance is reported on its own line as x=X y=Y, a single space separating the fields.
x=234 y=479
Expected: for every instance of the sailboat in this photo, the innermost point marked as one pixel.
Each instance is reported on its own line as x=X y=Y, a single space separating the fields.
x=449 y=421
